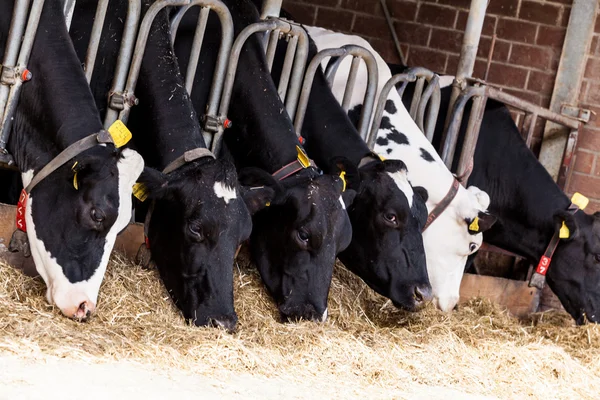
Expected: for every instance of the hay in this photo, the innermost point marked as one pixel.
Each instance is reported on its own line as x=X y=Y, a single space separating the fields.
x=366 y=342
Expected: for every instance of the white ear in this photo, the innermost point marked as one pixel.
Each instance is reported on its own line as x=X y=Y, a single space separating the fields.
x=479 y=197
x=130 y=166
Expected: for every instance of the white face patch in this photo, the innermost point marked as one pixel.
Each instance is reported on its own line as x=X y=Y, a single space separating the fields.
x=224 y=192
x=401 y=180
x=342 y=203
x=66 y=295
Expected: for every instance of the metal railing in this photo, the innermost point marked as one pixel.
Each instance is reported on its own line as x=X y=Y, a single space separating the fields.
x=425 y=104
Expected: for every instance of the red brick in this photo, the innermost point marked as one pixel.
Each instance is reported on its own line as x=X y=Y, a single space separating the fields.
x=326 y=3
x=563 y=20
x=518 y=31
x=489 y=23
x=457 y=3
x=423 y=57
x=452 y=66
x=442 y=17
x=371 y=26
x=527 y=96
x=337 y=20
x=587 y=185
x=589 y=139
x=387 y=50
x=538 y=12
x=593 y=95
x=592 y=69
x=551 y=36
x=567 y=2
x=595 y=117
x=503 y=7
x=584 y=162
x=402 y=10
x=501 y=49
x=446 y=40
x=595 y=45
x=530 y=56
x=413 y=34
x=541 y=82
x=593 y=207
x=597 y=28
x=303 y=13
x=368 y=7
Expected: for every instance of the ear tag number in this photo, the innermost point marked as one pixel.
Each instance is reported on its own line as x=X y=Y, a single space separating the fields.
x=302 y=157
x=119 y=133
x=140 y=191
x=580 y=200
x=343 y=178
x=474 y=226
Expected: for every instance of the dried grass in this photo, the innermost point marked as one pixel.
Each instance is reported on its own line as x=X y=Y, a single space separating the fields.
x=366 y=342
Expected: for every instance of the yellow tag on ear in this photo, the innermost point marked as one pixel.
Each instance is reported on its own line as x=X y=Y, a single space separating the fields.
x=302 y=157
x=75 y=183
x=268 y=204
x=343 y=178
x=580 y=201
x=140 y=191
x=119 y=133
x=380 y=157
x=474 y=225
x=564 y=232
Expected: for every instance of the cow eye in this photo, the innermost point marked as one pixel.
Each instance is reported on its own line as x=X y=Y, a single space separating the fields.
x=196 y=232
x=97 y=215
x=303 y=235
x=472 y=247
x=391 y=217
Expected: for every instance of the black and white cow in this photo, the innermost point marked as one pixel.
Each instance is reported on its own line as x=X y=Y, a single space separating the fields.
x=71 y=230
x=200 y=213
x=295 y=240
x=448 y=240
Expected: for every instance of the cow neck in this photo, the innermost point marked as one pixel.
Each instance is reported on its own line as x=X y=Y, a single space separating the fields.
x=56 y=107
x=165 y=119
x=524 y=201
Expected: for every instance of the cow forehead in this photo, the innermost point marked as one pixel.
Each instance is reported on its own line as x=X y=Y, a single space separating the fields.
x=401 y=180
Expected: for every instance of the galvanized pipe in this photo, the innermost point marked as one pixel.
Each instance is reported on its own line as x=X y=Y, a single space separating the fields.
x=196 y=48
x=349 y=90
x=22 y=60
x=528 y=127
x=331 y=70
x=416 y=99
x=271 y=8
x=300 y=60
x=286 y=70
x=92 y=51
x=389 y=85
x=465 y=163
x=272 y=48
x=431 y=93
x=68 y=9
x=124 y=58
x=370 y=92
x=176 y=20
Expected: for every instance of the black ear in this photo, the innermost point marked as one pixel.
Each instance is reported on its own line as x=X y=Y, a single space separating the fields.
x=394 y=165
x=257 y=198
x=348 y=197
x=482 y=223
x=421 y=192
x=156 y=182
x=255 y=177
x=337 y=165
x=570 y=222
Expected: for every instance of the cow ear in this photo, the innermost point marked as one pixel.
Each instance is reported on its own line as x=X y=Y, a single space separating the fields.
x=257 y=198
x=348 y=197
x=341 y=166
x=155 y=182
x=255 y=177
x=421 y=192
x=481 y=223
x=572 y=230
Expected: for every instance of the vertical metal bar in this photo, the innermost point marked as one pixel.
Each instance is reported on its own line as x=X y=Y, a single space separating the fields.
x=348 y=91
x=196 y=48
x=431 y=96
x=271 y=8
x=565 y=168
x=528 y=127
x=300 y=60
x=465 y=164
x=286 y=71
x=272 y=47
x=176 y=20
x=68 y=9
x=414 y=105
x=23 y=58
x=92 y=51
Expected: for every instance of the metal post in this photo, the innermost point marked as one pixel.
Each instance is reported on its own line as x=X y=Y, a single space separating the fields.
x=431 y=97
x=465 y=163
x=92 y=51
x=350 y=83
x=196 y=47
x=68 y=9
x=272 y=48
x=286 y=70
x=271 y=8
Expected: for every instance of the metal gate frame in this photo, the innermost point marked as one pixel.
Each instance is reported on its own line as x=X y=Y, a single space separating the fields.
x=357 y=53
x=431 y=96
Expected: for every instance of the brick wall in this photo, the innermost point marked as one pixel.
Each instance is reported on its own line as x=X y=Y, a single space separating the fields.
x=529 y=39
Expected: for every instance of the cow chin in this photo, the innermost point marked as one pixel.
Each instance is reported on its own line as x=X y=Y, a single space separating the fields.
x=298 y=312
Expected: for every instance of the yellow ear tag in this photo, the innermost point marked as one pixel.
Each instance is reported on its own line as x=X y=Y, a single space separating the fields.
x=268 y=204
x=343 y=178
x=564 y=232
x=381 y=158
x=474 y=226
x=302 y=157
x=75 y=184
x=119 y=133
x=580 y=200
x=140 y=191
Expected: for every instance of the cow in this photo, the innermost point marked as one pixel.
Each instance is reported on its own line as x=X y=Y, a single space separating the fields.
x=200 y=214
x=387 y=215
x=73 y=215
x=295 y=240
x=460 y=213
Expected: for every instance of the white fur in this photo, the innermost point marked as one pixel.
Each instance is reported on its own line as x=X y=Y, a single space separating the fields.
x=66 y=295
x=401 y=180
x=324 y=316
x=342 y=203
x=446 y=241
x=224 y=192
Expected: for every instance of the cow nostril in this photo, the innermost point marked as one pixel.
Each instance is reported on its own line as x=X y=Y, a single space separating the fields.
x=97 y=215
x=83 y=306
x=418 y=295
x=227 y=323
x=422 y=294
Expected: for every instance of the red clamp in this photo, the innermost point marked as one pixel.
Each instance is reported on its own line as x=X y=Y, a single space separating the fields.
x=26 y=75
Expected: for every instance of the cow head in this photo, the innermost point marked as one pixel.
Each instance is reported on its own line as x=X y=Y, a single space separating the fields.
x=73 y=218
x=387 y=246
x=451 y=238
x=200 y=216
x=574 y=273
x=296 y=239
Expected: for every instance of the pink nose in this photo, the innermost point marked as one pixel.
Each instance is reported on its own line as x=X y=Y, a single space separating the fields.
x=80 y=312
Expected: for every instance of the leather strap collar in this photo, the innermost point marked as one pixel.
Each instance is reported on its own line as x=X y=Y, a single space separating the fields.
x=187 y=157
x=290 y=169
x=442 y=205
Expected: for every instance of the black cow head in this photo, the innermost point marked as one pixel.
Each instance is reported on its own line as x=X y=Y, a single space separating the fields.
x=296 y=239
x=200 y=217
x=73 y=217
x=574 y=273
x=387 y=246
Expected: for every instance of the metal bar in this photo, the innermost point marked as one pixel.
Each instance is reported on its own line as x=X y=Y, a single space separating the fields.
x=300 y=60
x=272 y=48
x=176 y=20
x=465 y=163
x=271 y=8
x=414 y=105
x=489 y=59
x=388 y=19
x=68 y=9
x=140 y=47
x=389 y=85
x=22 y=60
x=331 y=70
x=350 y=83
x=528 y=127
x=196 y=48
x=92 y=51
x=432 y=92
x=565 y=170
x=286 y=70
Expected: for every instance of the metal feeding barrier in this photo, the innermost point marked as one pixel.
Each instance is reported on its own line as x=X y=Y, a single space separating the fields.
x=479 y=95
x=358 y=54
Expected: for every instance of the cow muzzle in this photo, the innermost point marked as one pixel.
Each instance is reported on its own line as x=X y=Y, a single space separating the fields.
x=74 y=304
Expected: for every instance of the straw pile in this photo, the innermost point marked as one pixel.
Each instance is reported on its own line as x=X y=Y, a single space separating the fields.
x=366 y=343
